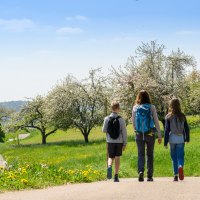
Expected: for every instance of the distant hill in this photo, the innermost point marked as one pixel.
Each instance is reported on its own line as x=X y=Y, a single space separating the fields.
x=14 y=105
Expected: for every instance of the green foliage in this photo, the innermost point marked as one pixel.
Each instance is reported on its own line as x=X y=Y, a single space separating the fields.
x=194 y=121
x=192 y=101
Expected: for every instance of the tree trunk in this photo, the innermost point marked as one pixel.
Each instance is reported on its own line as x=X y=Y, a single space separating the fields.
x=86 y=137
x=44 y=139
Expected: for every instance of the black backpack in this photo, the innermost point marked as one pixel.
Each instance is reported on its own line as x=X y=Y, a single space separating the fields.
x=113 y=127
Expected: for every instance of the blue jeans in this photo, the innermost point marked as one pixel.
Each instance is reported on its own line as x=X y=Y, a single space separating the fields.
x=177 y=155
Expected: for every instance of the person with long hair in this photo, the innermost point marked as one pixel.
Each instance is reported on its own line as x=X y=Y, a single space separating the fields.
x=145 y=125
x=177 y=132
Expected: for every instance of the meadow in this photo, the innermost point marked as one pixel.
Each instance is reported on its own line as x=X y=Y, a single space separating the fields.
x=67 y=159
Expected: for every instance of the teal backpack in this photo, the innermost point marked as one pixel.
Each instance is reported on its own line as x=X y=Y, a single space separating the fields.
x=143 y=120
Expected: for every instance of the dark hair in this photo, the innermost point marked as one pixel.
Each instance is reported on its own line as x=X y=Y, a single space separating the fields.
x=115 y=105
x=175 y=110
x=143 y=97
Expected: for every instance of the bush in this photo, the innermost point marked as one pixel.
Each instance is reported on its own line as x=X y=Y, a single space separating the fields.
x=194 y=120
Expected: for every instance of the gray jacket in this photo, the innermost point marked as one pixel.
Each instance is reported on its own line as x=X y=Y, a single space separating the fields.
x=122 y=137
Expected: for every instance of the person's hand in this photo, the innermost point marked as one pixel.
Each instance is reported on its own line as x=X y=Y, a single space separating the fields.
x=166 y=147
x=187 y=142
x=159 y=140
x=123 y=148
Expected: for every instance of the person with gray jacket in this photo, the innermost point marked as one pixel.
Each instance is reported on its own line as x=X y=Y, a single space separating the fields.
x=177 y=132
x=116 y=137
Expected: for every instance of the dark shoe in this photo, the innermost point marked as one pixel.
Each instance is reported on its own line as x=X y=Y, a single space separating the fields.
x=109 y=172
x=116 y=179
x=141 y=177
x=150 y=179
x=180 y=173
x=175 y=178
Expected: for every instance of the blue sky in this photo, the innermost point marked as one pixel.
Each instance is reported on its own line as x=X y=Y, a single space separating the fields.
x=41 y=41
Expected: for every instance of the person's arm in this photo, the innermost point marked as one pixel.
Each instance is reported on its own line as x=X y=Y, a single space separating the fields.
x=124 y=132
x=187 y=131
x=156 y=121
x=167 y=131
x=133 y=118
x=105 y=125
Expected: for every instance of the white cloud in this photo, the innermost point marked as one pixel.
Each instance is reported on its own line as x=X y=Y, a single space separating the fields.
x=17 y=25
x=69 y=30
x=188 y=32
x=77 y=17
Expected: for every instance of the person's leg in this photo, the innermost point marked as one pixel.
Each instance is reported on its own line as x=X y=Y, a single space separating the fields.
x=110 y=161
x=150 y=141
x=111 y=156
x=141 y=156
x=111 y=153
x=180 y=158
x=173 y=153
x=118 y=154
x=117 y=164
x=180 y=154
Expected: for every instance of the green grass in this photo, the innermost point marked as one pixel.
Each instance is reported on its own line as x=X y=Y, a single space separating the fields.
x=66 y=152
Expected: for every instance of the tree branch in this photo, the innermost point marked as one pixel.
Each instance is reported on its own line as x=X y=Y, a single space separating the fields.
x=32 y=126
x=51 y=132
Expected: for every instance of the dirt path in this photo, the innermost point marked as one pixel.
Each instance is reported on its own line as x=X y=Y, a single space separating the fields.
x=21 y=137
x=160 y=189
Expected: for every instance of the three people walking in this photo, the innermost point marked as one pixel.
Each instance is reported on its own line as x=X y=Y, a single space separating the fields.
x=146 y=126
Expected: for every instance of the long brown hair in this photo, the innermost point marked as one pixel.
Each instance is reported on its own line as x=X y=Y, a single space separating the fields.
x=143 y=97
x=175 y=110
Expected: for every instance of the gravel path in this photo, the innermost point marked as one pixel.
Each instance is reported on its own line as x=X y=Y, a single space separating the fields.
x=160 y=189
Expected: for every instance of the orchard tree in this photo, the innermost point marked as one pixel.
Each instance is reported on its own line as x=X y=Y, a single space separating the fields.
x=80 y=103
x=161 y=75
x=146 y=71
x=34 y=115
x=178 y=66
x=192 y=105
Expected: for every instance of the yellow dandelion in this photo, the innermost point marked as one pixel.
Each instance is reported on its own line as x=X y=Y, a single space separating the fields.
x=85 y=173
x=11 y=176
x=24 y=181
